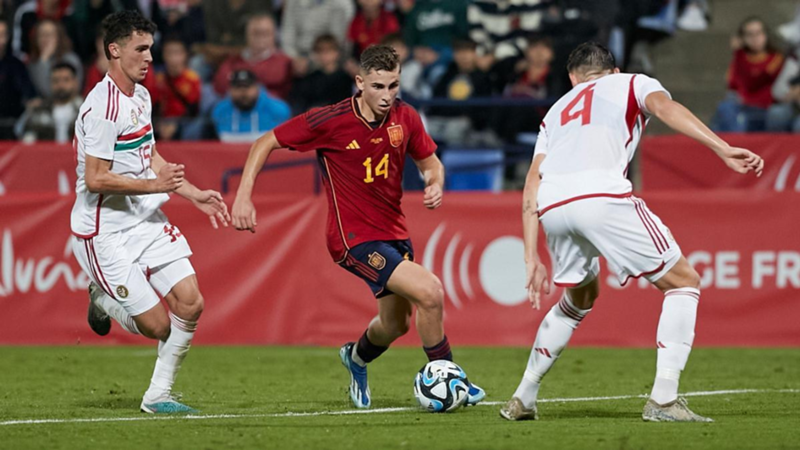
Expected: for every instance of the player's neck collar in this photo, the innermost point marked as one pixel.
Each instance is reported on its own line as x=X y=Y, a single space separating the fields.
x=357 y=112
x=124 y=92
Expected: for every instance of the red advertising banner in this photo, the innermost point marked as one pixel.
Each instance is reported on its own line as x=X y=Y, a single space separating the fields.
x=677 y=162
x=48 y=167
x=279 y=285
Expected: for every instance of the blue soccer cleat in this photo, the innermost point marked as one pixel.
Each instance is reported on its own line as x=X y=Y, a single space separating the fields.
x=475 y=395
x=167 y=405
x=359 y=389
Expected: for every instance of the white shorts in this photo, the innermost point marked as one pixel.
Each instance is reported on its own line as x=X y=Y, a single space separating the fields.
x=129 y=264
x=633 y=240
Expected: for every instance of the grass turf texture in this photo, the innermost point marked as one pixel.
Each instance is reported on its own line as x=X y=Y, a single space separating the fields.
x=107 y=382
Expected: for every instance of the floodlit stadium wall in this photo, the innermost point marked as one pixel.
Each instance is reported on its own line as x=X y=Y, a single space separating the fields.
x=280 y=286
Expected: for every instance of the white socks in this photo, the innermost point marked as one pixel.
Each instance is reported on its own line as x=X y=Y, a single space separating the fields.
x=118 y=313
x=674 y=339
x=554 y=334
x=170 y=356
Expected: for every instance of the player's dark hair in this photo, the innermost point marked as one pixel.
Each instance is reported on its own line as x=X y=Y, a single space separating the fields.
x=590 y=57
x=379 y=57
x=63 y=65
x=121 y=25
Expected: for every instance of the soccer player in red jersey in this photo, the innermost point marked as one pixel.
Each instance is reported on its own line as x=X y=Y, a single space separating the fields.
x=361 y=145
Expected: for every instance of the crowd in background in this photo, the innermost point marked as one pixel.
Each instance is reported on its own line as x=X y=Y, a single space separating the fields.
x=763 y=81
x=232 y=69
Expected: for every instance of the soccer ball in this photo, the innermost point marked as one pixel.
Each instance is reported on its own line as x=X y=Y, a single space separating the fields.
x=441 y=386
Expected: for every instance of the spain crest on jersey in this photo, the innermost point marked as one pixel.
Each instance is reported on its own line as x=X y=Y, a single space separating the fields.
x=395 y=135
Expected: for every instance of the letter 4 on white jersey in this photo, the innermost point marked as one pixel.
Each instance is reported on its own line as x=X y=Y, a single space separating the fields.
x=590 y=136
x=117 y=128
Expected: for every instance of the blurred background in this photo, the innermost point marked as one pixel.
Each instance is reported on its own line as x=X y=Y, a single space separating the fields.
x=483 y=73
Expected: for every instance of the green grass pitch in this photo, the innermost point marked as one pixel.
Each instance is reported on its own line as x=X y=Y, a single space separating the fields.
x=247 y=397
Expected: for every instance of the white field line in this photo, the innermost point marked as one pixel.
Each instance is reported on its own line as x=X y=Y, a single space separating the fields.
x=371 y=411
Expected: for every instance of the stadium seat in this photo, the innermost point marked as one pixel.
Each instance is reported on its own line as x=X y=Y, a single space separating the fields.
x=473 y=169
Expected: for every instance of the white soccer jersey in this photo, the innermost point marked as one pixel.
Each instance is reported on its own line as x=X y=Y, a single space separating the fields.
x=114 y=127
x=590 y=135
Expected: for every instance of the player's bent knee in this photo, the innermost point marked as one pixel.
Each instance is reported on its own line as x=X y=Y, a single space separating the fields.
x=191 y=307
x=432 y=297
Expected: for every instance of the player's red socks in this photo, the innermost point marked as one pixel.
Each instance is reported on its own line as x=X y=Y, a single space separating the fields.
x=439 y=351
x=366 y=350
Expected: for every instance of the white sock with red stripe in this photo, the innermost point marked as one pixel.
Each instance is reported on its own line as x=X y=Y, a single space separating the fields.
x=553 y=335
x=674 y=339
x=118 y=313
x=170 y=356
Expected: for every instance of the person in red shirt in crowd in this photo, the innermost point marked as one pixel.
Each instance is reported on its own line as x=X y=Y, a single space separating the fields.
x=262 y=57
x=361 y=144
x=178 y=90
x=97 y=71
x=755 y=66
x=371 y=23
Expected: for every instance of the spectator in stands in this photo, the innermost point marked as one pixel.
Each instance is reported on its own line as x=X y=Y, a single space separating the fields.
x=31 y=12
x=85 y=20
x=98 y=69
x=53 y=119
x=370 y=25
x=262 y=57
x=248 y=111
x=532 y=76
x=183 y=18
x=412 y=82
x=225 y=25
x=304 y=20
x=463 y=80
x=499 y=27
x=784 y=114
x=328 y=83
x=178 y=94
x=49 y=47
x=15 y=86
x=429 y=31
x=755 y=66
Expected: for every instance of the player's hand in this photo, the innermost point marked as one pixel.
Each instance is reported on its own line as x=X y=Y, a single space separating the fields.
x=169 y=178
x=211 y=203
x=433 y=196
x=536 y=281
x=244 y=214
x=743 y=161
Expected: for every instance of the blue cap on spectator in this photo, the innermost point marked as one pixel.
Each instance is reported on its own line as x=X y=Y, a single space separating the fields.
x=242 y=78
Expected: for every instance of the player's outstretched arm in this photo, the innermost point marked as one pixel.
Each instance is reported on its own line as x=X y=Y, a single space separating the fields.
x=433 y=173
x=208 y=201
x=680 y=119
x=536 y=279
x=244 y=212
x=100 y=179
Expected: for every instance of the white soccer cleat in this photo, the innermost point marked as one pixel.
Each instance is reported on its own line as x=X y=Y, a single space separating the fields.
x=676 y=411
x=515 y=410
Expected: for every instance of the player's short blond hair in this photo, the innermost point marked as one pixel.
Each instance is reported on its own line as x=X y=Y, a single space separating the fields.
x=379 y=57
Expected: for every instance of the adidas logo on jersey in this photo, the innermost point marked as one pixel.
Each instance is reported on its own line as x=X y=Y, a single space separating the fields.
x=353 y=145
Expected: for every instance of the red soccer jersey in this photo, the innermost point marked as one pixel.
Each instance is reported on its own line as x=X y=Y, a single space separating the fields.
x=362 y=168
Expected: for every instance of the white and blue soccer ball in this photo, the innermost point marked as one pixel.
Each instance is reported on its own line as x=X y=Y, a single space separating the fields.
x=441 y=386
